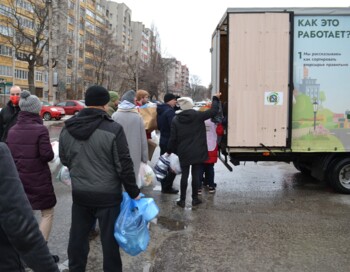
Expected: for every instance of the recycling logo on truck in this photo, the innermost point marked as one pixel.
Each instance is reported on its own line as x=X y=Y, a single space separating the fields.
x=273 y=98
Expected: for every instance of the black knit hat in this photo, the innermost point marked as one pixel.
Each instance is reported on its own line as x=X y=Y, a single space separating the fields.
x=96 y=96
x=168 y=97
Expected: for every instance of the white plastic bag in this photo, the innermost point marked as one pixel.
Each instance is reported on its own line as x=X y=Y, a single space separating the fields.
x=56 y=159
x=146 y=175
x=174 y=163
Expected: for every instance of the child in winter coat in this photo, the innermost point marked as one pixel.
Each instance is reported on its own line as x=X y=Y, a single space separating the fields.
x=213 y=131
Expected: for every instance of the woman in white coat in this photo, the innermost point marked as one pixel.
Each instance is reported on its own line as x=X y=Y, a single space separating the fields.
x=128 y=116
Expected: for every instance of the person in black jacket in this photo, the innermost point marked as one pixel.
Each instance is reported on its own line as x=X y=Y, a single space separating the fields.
x=165 y=115
x=188 y=141
x=95 y=150
x=20 y=237
x=8 y=115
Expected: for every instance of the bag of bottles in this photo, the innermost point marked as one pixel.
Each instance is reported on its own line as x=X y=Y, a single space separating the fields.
x=162 y=167
x=130 y=229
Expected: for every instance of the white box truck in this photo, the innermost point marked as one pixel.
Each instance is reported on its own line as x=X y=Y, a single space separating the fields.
x=284 y=74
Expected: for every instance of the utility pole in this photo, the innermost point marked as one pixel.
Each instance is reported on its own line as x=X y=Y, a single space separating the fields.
x=137 y=69
x=51 y=94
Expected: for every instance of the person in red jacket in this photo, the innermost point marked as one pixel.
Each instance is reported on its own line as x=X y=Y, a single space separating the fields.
x=213 y=130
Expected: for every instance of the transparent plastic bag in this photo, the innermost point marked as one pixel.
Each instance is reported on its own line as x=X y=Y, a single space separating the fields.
x=64 y=176
x=130 y=229
x=146 y=175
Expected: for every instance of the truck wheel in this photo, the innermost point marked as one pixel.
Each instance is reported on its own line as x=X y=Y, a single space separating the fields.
x=340 y=176
x=47 y=116
x=302 y=168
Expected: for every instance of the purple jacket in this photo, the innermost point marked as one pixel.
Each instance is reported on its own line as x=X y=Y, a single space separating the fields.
x=29 y=142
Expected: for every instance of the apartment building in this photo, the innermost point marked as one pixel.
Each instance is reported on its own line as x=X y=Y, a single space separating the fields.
x=120 y=24
x=13 y=69
x=177 y=76
x=78 y=28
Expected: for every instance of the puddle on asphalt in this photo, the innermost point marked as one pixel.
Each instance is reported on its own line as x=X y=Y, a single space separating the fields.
x=170 y=224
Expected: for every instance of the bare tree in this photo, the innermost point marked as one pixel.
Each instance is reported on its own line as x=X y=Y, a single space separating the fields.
x=26 y=24
x=195 y=82
x=104 y=52
x=153 y=71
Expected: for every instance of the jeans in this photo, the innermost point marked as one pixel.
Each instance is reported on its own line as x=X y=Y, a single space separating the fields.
x=208 y=170
x=78 y=246
x=195 y=168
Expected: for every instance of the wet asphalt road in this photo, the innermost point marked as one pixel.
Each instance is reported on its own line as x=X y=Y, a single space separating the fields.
x=263 y=217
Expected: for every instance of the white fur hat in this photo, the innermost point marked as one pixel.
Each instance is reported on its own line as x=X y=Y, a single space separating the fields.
x=185 y=103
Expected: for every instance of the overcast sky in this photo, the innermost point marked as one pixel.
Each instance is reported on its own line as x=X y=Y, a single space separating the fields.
x=185 y=27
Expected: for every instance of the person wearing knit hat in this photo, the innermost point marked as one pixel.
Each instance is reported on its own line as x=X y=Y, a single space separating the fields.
x=129 y=96
x=96 y=96
x=185 y=103
x=29 y=143
x=190 y=147
x=113 y=102
x=129 y=118
x=168 y=97
x=95 y=149
x=29 y=103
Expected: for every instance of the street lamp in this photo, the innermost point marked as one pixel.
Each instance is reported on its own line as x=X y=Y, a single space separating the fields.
x=315 y=105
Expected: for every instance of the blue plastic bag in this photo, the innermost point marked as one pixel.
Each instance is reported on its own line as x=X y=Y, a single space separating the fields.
x=148 y=208
x=130 y=229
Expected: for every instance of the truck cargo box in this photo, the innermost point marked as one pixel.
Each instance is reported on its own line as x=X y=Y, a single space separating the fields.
x=285 y=78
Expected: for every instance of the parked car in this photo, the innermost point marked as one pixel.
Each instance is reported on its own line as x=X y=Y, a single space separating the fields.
x=71 y=107
x=48 y=111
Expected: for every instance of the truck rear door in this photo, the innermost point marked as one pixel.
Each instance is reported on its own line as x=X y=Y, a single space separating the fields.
x=259 y=79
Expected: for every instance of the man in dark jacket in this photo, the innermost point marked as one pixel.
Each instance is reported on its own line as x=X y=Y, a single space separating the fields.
x=20 y=237
x=188 y=140
x=165 y=115
x=8 y=115
x=95 y=150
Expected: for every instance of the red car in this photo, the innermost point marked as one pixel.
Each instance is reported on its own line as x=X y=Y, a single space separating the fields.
x=71 y=107
x=48 y=111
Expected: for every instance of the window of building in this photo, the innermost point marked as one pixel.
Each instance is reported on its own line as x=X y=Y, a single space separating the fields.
x=4 y=10
x=100 y=19
x=71 y=5
x=99 y=8
x=5 y=70
x=21 y=74
x=25 y=5
x=90 y=25
x=5 y=50
x=25 y=22
x=82 y=12
x=71 y=20
x=69 y=64
x=38 y=76
x=69 y=79
x=6 y=31
x=90 y=13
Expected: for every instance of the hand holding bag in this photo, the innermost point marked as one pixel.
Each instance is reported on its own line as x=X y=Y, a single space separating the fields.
x=130 y=229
